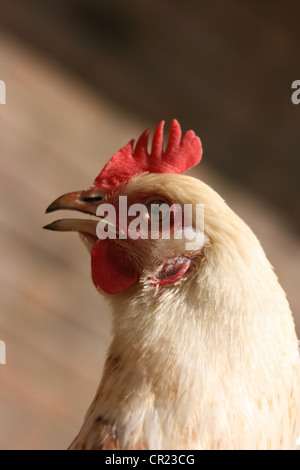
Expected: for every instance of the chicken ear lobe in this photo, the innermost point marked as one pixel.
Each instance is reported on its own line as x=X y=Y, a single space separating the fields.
x=112 y=271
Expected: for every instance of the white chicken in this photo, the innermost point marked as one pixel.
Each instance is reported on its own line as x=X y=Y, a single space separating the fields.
x=204 y=352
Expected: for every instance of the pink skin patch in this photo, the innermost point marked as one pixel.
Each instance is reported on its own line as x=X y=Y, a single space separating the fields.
x=172 y=271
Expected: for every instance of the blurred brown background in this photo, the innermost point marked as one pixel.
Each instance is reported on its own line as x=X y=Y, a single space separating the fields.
x=83 y=78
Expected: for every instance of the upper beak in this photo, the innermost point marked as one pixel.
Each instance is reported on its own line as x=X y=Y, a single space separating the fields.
x=82 y=201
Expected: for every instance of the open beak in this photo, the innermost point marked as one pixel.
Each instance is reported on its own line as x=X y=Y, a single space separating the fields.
x=82 y=201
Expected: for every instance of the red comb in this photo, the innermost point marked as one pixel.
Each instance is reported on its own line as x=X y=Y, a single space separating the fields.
x=179 y=156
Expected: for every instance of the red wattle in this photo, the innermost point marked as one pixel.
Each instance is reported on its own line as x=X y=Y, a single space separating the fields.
x=111 y=270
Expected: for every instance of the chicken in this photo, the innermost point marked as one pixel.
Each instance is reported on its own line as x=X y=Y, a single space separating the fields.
x=204 y=353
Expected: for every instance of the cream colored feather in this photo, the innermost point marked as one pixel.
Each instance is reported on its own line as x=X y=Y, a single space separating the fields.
x=209 y=362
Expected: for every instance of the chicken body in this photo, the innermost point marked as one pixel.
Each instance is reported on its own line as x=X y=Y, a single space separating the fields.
x=210 y=361
x=204 y=352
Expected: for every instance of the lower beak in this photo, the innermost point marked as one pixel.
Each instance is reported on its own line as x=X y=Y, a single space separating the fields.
x=82 y=201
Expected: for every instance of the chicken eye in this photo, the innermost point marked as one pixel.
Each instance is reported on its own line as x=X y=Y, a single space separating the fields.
x=158 y=210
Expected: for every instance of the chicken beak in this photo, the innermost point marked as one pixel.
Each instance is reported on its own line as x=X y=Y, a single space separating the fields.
x=82 y=201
